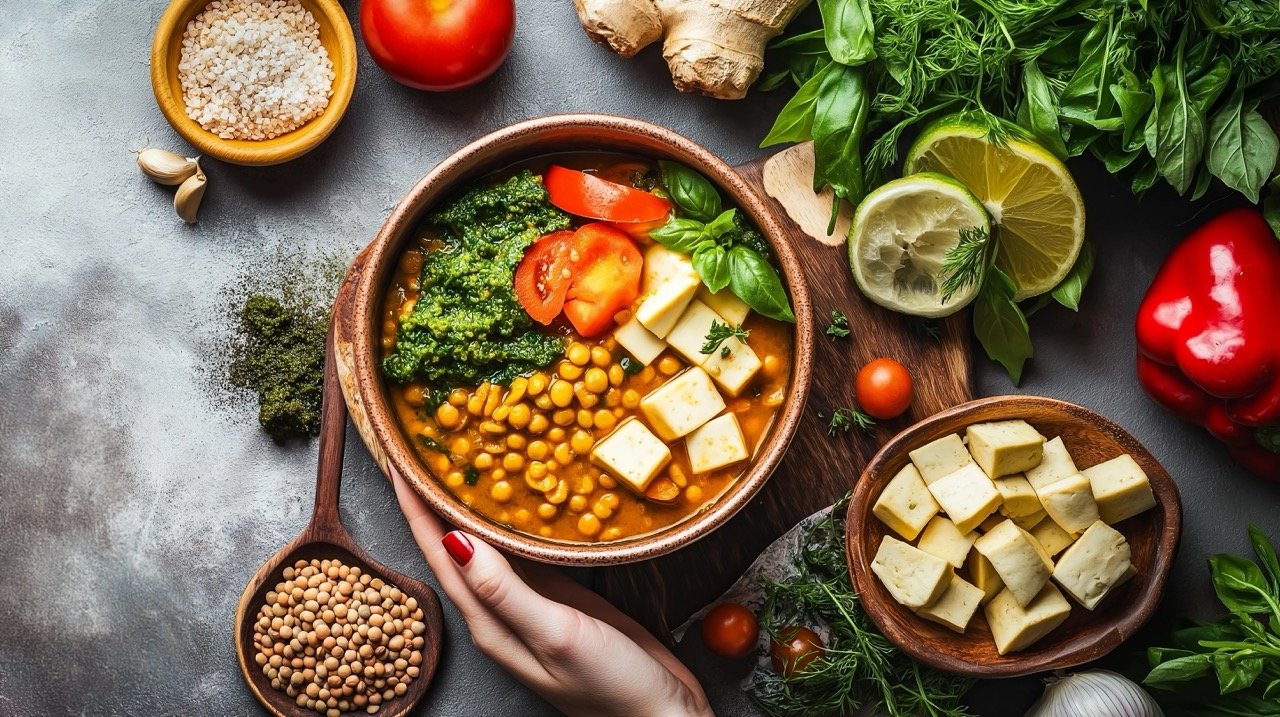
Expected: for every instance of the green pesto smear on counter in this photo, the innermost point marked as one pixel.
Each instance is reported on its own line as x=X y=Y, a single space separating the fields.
x=467 y=326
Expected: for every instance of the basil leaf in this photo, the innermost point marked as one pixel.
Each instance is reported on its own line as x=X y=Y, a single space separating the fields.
x=1266 y=551
x=795 y=120
x=1042 y=109
x=1134 y=103
x=1271 y=207
x=839 y=120
x=712 y=264
x=722 y=224
x=1242 y=148
x=1190 y=638
x=849 y=30
x=682 y=235
x=755 y=281
x=1239 y=584
x=1085 y=98
x=1208 y=87
x=806 y=43
x=1145 y=178
x=1068 y=291
x=1000 y=326
x=1175 y=131
x=1236 y=673
x=692 y=193
x=1182 y=669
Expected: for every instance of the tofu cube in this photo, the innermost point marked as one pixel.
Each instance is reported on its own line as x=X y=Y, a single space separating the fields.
x=632 y=454
x=967 y=497
x=992 y=521
x=943 y=539
x=941 y=458
x=639 y=341
x=717 y=444
x=1019 y=497
x=1094 y=565
x=1121 y=489
x=1005 y=447
x=725 y=303
x=690 y=332
x=1055 y=464
x=1027 y=522
x=682 y=404
x=734 y=372
x=1052 y=537
x=1016 y=556
x=956 y=606
x=984 y=576
x=1016 y=626
x=913 y=577
x=1070 y=503
x=668 y=284
x=905 y=504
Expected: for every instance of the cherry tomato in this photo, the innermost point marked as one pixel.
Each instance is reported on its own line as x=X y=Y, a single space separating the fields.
x=730 y=630
x=542 y=279
x=606 y=278
x=438 y=44
x=794 y=649
x=884 y=388
x=594 y=198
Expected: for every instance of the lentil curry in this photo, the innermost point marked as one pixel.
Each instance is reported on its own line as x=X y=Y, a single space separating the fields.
x=551 y=450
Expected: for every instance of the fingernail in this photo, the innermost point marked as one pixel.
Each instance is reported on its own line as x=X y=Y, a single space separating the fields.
x=458 y=547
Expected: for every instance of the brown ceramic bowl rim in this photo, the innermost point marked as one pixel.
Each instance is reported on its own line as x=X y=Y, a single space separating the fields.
x=1091 y=645
x=286 y=147
x=504 y=147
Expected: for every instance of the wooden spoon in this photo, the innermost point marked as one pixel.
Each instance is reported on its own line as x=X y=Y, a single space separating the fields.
x=326 y=538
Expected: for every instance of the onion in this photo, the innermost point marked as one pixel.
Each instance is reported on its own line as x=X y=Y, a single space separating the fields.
x=1093 y=694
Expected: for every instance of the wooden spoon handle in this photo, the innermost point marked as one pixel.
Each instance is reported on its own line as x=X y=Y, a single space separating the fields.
x=333 y=434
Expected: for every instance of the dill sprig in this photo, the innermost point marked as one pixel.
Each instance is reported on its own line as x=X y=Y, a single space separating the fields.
x=859 y=667
x=845 y=419
x=839 y=326
x=719 y=333
x=966 y=264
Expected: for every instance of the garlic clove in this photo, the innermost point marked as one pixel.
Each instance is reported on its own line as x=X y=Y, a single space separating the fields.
x=187 y=201
x=167 y=167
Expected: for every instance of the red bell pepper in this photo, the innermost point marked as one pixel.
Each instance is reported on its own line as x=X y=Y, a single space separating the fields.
x=1209 y=336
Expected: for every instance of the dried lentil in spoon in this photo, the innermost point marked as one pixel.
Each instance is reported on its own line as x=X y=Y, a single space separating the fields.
x=337 y=639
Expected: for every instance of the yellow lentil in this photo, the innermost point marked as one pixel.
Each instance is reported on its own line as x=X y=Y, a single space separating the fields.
x=454 y=479
x=577 y=503
x=555 y=435
x=458 y=397
x=543 y=401
x=596 y=380
x=516 y=442
x=501 y=491
x=483 y=462
x=513 y=462
x=537 y=383
x=537 y=450
x=517 y=391
x=616 y=375
x=563 y=417
x=693 y=494
x=600 y=356
x=538 y=424
x=604 y=420
x=588 y=524
x=578 y=354
x=563 y=453
x=584 y=418
x=612 y=533
x=519 y=416
x=581 y=442
x=447 y=416
x=537 y=470
x=500 y=413
x=607 y=482
x=460 y=446
x=772 y=366
x=630 y=398
x=668 y=365
x=561 y=393
x=546 y=511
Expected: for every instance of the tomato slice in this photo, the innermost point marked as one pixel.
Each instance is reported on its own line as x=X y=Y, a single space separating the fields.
x=543 y=277
x=606 y=277
x=594 y=198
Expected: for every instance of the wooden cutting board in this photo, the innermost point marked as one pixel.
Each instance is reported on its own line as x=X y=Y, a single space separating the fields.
x=818 y=468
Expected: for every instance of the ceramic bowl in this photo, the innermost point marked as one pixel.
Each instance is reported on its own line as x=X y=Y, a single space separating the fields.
x=166 y=46
x=1085 y=636
x=374 y=268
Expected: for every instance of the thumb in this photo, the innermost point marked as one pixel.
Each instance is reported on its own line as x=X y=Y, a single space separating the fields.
x=490 y=577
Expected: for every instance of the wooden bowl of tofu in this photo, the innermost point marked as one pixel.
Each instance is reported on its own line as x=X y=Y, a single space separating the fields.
x=1012 y=535
x=625 y=451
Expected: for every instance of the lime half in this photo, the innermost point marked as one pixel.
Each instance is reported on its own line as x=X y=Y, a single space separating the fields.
x=901 y=235
x=1032 y=199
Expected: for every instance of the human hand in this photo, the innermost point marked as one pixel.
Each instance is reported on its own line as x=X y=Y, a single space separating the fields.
x=563 y=641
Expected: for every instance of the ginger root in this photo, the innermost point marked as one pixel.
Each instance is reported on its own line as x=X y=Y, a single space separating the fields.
x=715 y=47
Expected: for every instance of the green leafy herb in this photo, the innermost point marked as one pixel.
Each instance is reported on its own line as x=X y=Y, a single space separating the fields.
x=432 y=444
x=471 y=476
x=848 y=30
x=692 y=193
x=719 y=333
x=845 y=419
x=967 y=262
x=630 y=366
x=1000 y=325
x=1229 y=667
x=839 y=326
x=1242 y=148
x=1069 y=290
x=756 y=282
x=860 y=669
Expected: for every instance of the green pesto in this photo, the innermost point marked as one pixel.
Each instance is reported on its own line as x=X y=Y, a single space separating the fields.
x=467 y=325
x=280 y=355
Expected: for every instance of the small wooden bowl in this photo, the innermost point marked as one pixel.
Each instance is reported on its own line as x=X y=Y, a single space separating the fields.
x=166 y=49
x=359 y=307
x=1085 y=636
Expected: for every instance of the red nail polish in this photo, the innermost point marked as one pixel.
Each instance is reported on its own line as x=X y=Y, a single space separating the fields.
x=458 y=547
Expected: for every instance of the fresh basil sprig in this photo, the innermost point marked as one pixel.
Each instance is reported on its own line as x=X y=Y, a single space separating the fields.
x=722 y=251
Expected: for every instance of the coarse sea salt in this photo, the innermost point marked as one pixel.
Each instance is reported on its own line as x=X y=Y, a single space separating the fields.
x=254 y=69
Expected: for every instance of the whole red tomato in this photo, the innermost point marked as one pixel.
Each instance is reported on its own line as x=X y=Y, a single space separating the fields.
x=730 y=630
x=794 y=649
x=438 y=44
x=884 y=388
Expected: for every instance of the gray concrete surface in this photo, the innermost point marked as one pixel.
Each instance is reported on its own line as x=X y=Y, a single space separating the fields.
x=134 y=504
